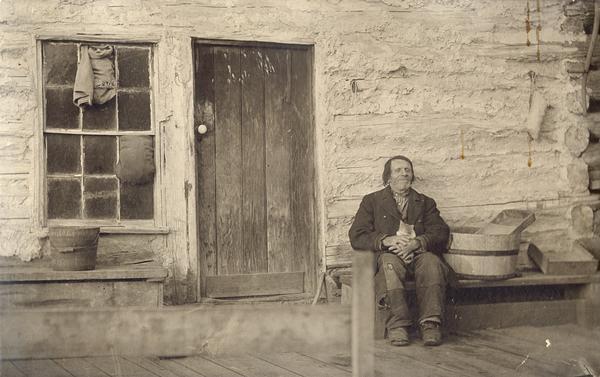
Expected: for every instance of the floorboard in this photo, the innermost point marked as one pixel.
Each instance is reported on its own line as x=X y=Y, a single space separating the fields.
x=497 y=362
x=177 y=368
x=564 y=350
x=388 y=360
x=534 y=356
x=79 y=367
x=206 y=367
x=341 y=361
x=7 y=369
x=305 y=366
x=250 y=366
x=437 y=360
x=118 y=366
x=45 y=368
x=153 y=366
x=527 y=355
x=570 y=344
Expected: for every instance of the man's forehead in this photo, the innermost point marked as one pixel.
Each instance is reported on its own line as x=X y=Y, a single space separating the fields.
x=400 y=164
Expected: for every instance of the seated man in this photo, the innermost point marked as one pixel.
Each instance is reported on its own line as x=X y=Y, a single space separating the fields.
x=406 y=231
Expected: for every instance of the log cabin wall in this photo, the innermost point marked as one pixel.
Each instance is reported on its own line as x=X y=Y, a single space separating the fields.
x=446 y=82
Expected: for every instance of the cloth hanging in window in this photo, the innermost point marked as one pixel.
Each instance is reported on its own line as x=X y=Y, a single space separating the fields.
x=95 y=79
x=136 y=160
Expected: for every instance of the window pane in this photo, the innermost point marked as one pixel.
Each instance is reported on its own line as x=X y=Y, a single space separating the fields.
x=60 y=110
x=133 y=67
x=60 y=63
x=101 y=117
x=63 y=154
x=64 y=198
x=134 y=111
x=136 y=159
x=100 y=154
x=100 y=196
x=137 y=201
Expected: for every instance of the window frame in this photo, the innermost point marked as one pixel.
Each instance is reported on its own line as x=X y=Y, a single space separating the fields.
x=156 y=225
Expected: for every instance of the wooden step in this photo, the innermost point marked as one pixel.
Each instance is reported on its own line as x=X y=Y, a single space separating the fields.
x=132 y=285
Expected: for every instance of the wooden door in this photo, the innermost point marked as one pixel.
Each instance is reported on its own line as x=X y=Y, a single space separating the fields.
x=255 y=169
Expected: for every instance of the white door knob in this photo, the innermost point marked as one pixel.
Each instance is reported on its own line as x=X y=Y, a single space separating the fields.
x=202 y=129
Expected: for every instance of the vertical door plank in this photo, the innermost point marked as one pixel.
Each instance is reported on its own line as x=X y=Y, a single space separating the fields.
x=278 y=181
x=204 y=104
x=303 y=252
x=253 y=162
x=228 y=160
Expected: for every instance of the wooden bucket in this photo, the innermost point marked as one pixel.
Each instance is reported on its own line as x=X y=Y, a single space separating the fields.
x=73 y=248
x=483 y=256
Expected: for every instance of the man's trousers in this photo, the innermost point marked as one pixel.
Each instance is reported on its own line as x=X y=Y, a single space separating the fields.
x=430 y=275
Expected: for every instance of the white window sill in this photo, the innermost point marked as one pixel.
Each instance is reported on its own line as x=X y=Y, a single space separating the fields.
x=131 y=228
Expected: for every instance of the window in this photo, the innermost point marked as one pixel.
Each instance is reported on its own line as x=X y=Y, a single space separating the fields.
x=99 y=159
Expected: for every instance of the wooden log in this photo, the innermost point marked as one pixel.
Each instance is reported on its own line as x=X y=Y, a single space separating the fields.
x=593 y=83
x=595 y=184
x=177 y=331
x=577 y=139
x=594 y=174
x=582 y=221
x=592 y=122
x=577 y=176
x=591 y=156
x=363 y=314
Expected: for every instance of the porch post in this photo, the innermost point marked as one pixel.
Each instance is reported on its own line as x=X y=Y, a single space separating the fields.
x=363 y=314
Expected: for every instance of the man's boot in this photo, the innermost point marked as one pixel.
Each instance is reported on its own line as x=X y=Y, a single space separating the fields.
x=398 y=336
x=431 y=333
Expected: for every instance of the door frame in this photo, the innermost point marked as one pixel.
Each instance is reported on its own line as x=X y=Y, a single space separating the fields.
x=316 y=258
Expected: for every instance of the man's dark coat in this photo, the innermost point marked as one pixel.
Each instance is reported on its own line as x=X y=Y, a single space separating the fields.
x=378 y=217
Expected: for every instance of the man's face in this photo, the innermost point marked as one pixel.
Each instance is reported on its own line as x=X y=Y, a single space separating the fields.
x=401 y=175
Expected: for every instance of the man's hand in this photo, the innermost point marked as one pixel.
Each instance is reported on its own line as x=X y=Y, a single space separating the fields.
x=403 y=246
x=406 y=256
x=396 y=242
x=412 y=245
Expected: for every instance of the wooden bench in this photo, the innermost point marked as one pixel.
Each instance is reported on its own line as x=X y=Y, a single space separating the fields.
x=118 y=286
x=530 y=299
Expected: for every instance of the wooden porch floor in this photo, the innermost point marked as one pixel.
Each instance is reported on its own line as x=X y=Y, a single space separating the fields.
x=565 y=350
